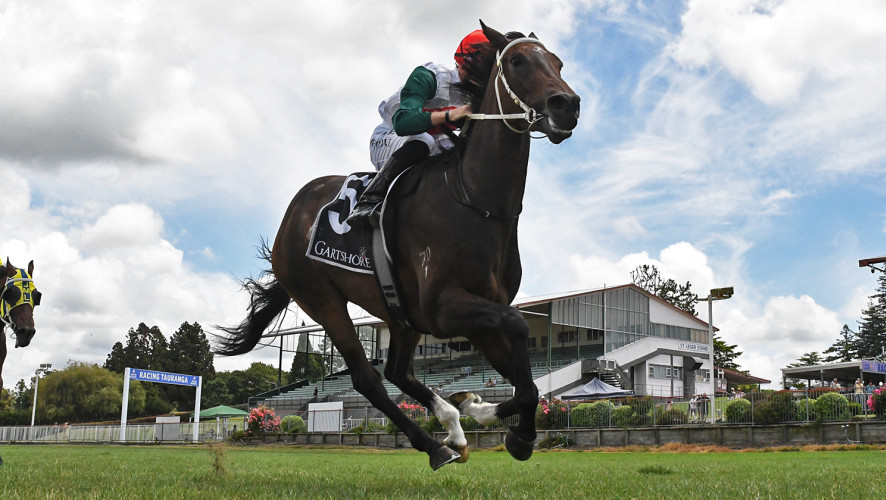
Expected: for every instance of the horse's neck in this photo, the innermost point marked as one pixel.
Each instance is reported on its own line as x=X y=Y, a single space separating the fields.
x=494 y=166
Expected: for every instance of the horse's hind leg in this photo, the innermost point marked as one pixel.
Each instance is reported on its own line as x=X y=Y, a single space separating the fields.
x=367 y=381
x=501 y=333
x=400 y=371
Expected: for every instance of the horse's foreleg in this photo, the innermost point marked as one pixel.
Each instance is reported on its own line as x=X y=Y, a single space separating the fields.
x=367 y=381
x=2 y=354
x=501 y=333
x=400 y=371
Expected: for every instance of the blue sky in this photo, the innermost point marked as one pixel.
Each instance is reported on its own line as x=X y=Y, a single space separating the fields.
x=145 y=149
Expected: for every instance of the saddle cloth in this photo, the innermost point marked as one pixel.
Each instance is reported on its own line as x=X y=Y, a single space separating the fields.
x=333 y=240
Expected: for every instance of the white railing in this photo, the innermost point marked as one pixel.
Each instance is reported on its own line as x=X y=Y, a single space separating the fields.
x=150 y=433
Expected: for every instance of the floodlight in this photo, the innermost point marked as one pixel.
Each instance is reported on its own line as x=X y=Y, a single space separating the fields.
x=722 y=293
x=872 y=263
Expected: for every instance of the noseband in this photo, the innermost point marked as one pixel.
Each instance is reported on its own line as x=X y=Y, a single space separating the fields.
x=6 y=316
x=529 y=113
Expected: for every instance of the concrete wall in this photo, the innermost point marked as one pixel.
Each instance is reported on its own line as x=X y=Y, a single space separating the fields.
x=732 y=436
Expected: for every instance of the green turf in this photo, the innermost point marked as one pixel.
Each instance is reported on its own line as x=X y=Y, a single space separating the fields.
x=137 y=472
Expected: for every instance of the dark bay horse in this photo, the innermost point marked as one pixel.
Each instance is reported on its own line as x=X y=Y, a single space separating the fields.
x=455 y=253
x=17 y=301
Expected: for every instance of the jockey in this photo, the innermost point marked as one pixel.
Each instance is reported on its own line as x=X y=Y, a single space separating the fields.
x=412 y=121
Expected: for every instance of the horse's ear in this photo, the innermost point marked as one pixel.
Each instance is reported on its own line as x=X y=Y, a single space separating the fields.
x=31 y=269
x=494 y=37
x=532 y=35
x=10 y=269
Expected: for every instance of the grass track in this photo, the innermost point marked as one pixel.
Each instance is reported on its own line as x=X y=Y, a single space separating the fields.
x=142 y=472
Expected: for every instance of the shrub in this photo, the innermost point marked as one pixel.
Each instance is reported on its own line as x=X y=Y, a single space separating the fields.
x=738 y=411
x=806 y=409
x=469 y=423
x=238 y=435
x=293 y=424
x=855 y=409
x=832 y=406
x=673 y=416
x=596 y=414
x=432 y=425
x=550 y=415
x=262 y=420
x=642 y=410
x=877 y=401
x=622 y=416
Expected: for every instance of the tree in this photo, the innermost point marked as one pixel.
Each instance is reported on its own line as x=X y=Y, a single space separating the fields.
x=189 y=353
x=258 y=378
x=83 y=392
x=844 y=349
x=306 y=364
x=145 y=348
x=215 y=392
x=808 y=359
x=724 y=355
x=872 y=327
x=680 y=296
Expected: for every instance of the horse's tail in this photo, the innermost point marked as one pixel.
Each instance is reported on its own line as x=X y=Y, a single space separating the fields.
x=267 y=300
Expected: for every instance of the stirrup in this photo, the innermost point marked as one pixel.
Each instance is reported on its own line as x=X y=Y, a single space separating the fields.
x=368 y=213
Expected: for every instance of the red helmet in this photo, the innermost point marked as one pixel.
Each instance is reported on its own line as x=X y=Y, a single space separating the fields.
x=464 y=47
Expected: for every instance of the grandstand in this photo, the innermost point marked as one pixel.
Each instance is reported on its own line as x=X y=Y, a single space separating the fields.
x=469 y=372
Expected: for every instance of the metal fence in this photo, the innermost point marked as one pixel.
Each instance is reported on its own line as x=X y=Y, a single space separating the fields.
x=645 y=411
x=150 y=433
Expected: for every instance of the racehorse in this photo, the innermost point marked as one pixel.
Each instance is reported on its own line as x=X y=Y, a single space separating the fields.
x=17 y=301
x=455 y=253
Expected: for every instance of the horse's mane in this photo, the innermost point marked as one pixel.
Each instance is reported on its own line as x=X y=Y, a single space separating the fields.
x=478 y=66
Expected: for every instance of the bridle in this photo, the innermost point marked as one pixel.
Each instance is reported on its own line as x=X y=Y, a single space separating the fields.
x=34 y=300
x=529 y=113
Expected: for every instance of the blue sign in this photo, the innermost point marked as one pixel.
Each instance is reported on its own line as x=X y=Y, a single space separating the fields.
x=163 y=377
x=873 y=366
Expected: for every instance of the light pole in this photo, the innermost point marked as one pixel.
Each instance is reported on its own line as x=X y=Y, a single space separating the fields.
x=44 y=367
x=716 y=294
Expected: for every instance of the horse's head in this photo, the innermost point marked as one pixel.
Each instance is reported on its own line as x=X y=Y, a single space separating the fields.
x=17 y=301
x=528 y=77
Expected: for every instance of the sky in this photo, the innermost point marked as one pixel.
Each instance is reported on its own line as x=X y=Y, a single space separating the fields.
x=147 y=147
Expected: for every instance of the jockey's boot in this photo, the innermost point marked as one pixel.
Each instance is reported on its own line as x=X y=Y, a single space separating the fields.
x=411 y=153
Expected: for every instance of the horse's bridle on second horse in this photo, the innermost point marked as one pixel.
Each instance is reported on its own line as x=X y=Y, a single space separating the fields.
x=529 y=113
x=27 y=294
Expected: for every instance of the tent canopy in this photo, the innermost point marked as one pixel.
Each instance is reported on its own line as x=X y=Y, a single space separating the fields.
x=595 y=389
x=222 y=411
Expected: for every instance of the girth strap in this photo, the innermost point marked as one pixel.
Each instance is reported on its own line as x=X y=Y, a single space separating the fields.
x=384 y=276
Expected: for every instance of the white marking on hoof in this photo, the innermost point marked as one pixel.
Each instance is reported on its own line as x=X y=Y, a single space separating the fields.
x=448 y=416
x=483 y=413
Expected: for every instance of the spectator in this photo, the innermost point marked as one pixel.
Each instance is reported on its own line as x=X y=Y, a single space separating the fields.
x=835 y=384
x=859 y=386
x=869 y=389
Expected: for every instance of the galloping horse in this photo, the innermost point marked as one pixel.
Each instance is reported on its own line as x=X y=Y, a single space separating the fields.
x=455 y=253
x=17 y=301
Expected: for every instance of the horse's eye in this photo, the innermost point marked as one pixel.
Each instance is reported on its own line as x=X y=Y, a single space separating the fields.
x=516 y=60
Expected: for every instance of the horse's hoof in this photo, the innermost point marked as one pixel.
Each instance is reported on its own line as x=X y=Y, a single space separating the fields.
x=519 y=448
x=458 y=398
x=442 y=456
x=463 y=451
x=1 y=460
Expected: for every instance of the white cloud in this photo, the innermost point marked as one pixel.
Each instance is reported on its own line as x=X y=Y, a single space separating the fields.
x=787 y=328
x=106 y=276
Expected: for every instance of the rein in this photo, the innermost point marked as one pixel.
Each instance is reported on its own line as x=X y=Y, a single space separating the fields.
x=529 y=114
